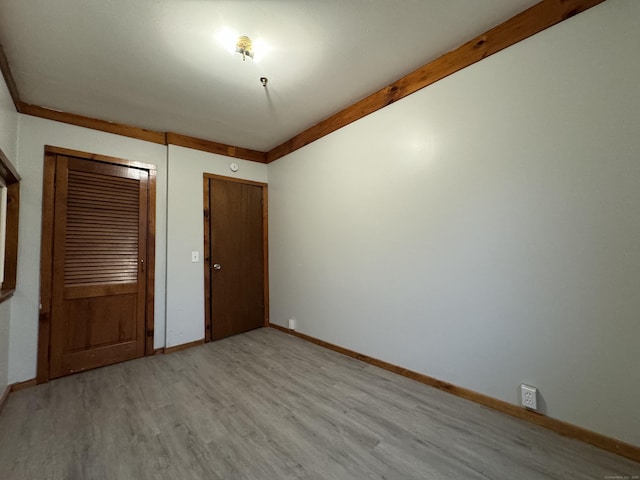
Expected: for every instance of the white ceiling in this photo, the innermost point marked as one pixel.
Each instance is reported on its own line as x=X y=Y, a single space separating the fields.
x=157 y=64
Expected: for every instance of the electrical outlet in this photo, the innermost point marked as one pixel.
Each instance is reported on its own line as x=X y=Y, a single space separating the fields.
x=529 y=396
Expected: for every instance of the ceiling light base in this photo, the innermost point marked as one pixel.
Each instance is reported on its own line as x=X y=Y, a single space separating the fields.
x=244 y=46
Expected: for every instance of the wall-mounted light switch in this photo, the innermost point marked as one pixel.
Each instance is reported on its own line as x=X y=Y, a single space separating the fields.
x=195 y=257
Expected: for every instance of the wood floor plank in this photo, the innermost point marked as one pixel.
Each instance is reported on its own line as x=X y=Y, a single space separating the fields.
x=264 y=405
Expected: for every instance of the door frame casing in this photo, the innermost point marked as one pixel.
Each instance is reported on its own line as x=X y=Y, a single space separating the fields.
x=208 y=320
x=46 y=249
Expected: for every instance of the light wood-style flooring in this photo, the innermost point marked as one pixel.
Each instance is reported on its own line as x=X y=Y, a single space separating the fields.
x=268 y=406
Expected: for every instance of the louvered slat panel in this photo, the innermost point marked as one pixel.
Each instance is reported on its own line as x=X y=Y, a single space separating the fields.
x=102 y=230
x=98 y=215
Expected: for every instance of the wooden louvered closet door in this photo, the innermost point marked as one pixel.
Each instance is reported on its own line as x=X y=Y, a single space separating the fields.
x=99 y=251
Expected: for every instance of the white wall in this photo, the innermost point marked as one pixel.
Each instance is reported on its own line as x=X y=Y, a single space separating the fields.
x=485 y=230
x=34 y=134
x=8 y=142
x=185 y=280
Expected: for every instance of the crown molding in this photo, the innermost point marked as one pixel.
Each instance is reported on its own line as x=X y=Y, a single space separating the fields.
x=9 y=80
x=93 y=123
x=215 y=147
x=527 y=23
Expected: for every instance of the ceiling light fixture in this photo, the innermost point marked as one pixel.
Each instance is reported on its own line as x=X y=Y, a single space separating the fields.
x=244 y=46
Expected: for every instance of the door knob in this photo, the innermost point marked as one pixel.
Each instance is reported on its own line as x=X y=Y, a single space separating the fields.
x=217 y=266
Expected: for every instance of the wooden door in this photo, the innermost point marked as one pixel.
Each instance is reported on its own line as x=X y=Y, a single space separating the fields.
x=235 y=248
x=98 y=282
